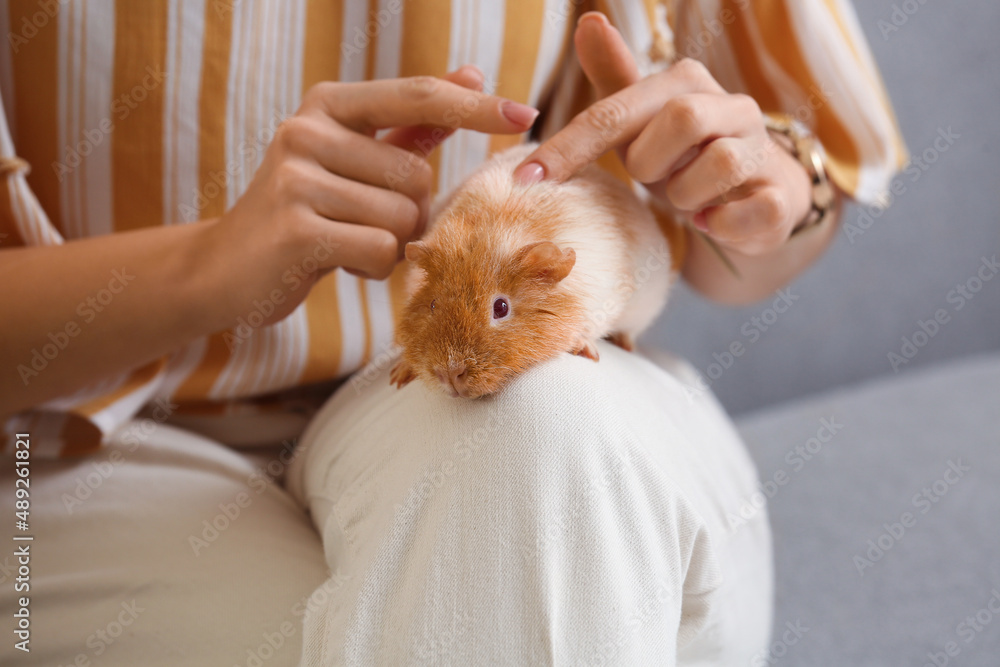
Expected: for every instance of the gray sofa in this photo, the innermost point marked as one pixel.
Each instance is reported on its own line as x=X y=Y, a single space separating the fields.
x=871 y=590
x=884 y=498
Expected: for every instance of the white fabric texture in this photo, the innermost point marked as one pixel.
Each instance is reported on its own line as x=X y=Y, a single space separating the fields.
x=578 y=517
x=116 y=579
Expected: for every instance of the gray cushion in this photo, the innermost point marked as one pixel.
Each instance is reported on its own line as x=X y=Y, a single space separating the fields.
x=871 y=590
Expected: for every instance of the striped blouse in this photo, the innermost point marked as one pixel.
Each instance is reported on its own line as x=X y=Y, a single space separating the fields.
x=132 y=113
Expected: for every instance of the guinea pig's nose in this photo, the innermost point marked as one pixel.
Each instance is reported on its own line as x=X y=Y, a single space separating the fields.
x=458 y=373
x=458 y=376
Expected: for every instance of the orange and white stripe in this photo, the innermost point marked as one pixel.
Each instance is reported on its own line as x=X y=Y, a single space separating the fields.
x=181 y=130
x=185 y=144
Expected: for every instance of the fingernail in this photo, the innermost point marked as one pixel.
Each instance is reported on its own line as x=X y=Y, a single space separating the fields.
x=519 y=114
x=700 y=221
x=529 y=173
x=594 y=16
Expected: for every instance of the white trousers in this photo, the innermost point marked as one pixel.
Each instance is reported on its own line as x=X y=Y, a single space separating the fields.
x=579 y=517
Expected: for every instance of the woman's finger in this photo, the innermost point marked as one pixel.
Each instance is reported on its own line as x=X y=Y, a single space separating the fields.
x=422 y=139
x=755 y=224
x=604 y=55
x=371 y=252
x=355 y=156
x=605 y=58
x=347 y=200
x=685 y=122
x=721 y=168
x=420 y=100
x=612 y=122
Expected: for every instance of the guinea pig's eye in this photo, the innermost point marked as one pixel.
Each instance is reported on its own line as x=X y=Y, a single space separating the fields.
x=500 y=308
x=433 y=301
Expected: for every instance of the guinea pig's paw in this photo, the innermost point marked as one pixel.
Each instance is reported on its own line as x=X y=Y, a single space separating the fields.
x=402 y=374
x=622 y=339
x=585 y=347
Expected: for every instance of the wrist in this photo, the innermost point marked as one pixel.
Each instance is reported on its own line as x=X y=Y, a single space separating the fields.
x=206 y=281
x=804 y=148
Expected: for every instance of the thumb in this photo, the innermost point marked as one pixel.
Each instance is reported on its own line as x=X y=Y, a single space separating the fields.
x=603 y=54
x=610 y=67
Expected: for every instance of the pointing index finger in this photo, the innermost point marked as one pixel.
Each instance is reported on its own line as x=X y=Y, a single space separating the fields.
x=611 y=122
x=421 y=100
x=602 y=126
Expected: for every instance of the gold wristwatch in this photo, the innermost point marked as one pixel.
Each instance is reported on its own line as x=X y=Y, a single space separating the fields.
x=804 y=146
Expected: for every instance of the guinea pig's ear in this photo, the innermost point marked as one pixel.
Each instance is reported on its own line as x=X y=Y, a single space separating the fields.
x=546 y=262
x=416 y=252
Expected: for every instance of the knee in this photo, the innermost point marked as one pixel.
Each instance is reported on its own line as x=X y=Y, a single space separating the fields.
x=564 y=430
x=558 y=419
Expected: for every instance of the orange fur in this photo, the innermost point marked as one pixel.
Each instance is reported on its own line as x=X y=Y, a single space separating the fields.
x=553 y=250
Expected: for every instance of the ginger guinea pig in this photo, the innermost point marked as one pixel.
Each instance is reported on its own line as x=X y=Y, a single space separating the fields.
x=510 y=275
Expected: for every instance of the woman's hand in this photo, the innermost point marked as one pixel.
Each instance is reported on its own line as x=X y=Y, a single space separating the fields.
x=702 y=153
x=328 y=194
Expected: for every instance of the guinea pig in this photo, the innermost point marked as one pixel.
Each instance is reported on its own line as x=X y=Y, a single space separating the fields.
x=510 y=275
